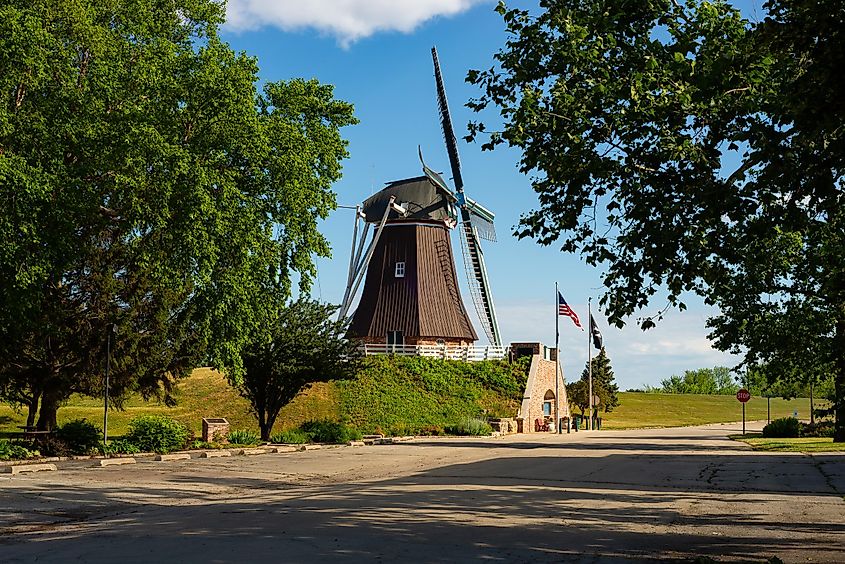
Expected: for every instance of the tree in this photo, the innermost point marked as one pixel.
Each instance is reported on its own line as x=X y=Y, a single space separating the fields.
x=604 y=384
x=302 y=345
x=578 y=394
x=716 y=380
x=147 y=184
x=683 y=148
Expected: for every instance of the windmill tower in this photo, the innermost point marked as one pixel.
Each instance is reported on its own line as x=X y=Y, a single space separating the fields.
x=411 y=294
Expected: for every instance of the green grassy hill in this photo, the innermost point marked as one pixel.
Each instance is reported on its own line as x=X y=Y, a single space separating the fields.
x=639 y=410
x=410 y=395
x=395 y=395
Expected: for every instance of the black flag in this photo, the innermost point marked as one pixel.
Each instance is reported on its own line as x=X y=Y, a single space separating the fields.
x=597 y=340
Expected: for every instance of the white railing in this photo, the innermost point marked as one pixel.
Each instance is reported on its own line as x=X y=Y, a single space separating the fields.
x=467 y=354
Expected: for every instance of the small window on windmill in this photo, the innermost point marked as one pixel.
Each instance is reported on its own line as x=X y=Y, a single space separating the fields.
x=400 y=270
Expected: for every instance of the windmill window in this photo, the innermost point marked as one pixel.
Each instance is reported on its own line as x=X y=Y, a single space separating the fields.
x=395 y=338
x=400 y=270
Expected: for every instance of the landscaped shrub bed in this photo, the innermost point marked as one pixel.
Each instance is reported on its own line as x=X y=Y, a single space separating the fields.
x=80 y=436
x=156 y=433
x=13 y=450
x=470 y=426
x=243 y=437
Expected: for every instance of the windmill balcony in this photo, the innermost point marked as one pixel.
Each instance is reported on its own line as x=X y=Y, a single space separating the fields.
x=464 y=353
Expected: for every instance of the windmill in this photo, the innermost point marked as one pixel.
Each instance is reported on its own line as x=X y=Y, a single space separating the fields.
x=411 y=293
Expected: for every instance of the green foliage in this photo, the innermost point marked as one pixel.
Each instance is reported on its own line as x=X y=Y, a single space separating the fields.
x=243 y=437
x=80 y=436
x=714 y=381
x=330 y=432
x=681 y=148
x=403 y=395
x=291 y=437
x=604 y=383
x=782 y=428
x=147 y=183
x=120 y=446
x=470 y=427
x=156 y=433
x=10 y=450
x=303 y=344
x=49 y=445
x=820 y=429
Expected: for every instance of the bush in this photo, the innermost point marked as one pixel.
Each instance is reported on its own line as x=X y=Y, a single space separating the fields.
x=244 y=437
x=49 y=445
x=820 y=429
x=330 y=432
x=12 y=451
x=470 y=427
x=80 y=436
x=120 y=446
x=431 y=431
x=785 y=427
x=291 y=437
x=157 y=433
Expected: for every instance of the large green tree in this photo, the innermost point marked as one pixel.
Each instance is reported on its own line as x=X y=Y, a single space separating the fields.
x=146 y=183
x=303 y=344
x=686 y=149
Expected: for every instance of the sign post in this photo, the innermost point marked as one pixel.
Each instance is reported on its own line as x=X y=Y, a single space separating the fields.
x=743 y=396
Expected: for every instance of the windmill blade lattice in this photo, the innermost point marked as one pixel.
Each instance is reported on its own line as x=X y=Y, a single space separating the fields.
x=473 y=258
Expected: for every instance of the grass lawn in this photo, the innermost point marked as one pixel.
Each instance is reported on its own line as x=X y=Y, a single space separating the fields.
x=205 y=393
x=642 y=410
x=802 y=444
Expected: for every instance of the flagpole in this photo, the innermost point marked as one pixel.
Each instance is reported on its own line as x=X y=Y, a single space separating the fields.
x=557 y=359
x=590 y=359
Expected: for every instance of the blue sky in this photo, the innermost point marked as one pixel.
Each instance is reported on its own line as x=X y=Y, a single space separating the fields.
x=377 y=54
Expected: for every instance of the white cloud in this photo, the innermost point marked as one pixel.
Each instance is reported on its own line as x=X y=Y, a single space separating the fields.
x=348 y=20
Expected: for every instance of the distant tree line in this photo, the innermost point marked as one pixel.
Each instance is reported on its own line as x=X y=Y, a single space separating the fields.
x=719 y=381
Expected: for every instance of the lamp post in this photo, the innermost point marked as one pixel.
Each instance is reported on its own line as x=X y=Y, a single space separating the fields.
x=112 y=331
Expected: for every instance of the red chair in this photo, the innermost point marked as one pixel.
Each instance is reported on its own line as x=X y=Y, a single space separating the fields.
x=541 y=425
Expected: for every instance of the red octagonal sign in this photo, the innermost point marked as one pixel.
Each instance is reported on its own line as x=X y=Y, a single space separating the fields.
x=743 y=395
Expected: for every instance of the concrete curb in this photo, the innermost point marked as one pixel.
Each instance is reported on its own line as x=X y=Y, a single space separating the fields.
x=116 y=461
x=215 y=454
x=284 y=449
x=21 y=468
x=169 y=457
x=312 y=447
x=355 y=443
x=251 y=451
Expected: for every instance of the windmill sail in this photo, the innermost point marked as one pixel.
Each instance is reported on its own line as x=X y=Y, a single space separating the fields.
x=475 y=220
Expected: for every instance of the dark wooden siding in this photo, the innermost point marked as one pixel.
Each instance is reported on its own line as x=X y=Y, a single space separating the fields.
x=427 y=301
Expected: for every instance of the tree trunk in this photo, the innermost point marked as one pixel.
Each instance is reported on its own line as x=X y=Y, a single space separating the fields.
x=32 y=408
x=839 y=380
x=50 y=400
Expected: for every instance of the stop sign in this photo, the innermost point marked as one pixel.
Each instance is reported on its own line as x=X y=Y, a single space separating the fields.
x=743 y=395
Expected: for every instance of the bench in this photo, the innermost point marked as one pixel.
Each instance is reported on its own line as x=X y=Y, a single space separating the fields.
x=541 y=425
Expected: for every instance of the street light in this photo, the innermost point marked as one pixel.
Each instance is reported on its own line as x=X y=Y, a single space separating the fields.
x=112 y=331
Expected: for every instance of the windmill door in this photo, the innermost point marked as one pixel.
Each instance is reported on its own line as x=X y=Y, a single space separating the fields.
x=395 y=339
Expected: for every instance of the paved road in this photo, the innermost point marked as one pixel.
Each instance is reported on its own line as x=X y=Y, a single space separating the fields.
x=587 y=497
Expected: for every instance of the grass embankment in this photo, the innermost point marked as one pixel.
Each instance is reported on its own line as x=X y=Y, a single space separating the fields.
x=801 y=444
x=206 y=393
x=395 y=395
x=643 y=410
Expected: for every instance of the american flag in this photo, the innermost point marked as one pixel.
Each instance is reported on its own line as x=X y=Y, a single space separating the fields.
x=564 y=309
